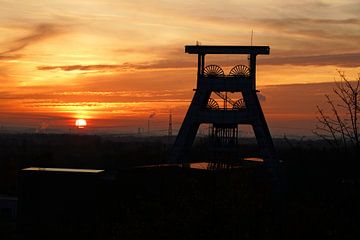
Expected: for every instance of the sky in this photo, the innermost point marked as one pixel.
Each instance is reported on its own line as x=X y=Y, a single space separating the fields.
x=115 y=63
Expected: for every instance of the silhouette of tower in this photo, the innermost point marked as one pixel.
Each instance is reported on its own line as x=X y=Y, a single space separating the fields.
x=213 y=84
x=170 y=125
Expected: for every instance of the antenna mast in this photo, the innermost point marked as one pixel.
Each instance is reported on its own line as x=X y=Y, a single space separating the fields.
x=252 y=35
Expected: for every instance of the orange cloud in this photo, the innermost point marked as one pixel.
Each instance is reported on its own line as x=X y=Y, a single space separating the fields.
x=340 y=60
x=119 y=67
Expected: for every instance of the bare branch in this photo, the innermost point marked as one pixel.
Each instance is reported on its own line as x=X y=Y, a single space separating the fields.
x=342 y=126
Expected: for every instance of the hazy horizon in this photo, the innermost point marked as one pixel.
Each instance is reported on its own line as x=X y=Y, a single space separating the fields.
x=282 y=118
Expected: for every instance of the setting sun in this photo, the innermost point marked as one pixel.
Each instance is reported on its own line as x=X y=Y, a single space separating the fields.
x=80 y=123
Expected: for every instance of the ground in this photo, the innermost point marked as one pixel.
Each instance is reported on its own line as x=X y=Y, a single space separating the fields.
x=316 y=192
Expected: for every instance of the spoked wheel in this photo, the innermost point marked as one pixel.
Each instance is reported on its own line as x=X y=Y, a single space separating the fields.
x=240 y=71
x=213 y=71
x=212 y=104
x=239 y=104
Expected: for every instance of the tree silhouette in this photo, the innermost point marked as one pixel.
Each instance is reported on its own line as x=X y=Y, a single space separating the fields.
x=340 y=127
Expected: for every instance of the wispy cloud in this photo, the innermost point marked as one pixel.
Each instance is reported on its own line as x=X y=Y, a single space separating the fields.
x=120 y=67
x=39 y=33
x=340 y=60
x=10 y=57
x=93 y=67
x=300 y=22
x=81 y=97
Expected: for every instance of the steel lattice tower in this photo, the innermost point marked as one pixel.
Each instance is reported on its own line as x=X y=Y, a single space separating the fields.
x=204 y=109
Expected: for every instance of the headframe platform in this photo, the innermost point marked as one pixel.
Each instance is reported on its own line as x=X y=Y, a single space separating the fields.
x=203 y=49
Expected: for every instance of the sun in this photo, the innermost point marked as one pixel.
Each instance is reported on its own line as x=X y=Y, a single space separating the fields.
x=80 y=123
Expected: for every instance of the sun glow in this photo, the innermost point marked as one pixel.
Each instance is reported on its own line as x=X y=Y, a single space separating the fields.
x=80 y=123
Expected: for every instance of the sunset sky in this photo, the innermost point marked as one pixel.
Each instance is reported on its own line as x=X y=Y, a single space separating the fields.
x=115 y=63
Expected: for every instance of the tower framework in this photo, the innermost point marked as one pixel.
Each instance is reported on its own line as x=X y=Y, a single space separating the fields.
x=211 y=80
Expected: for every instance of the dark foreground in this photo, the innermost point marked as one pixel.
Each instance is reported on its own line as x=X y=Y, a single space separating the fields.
x=317 y=195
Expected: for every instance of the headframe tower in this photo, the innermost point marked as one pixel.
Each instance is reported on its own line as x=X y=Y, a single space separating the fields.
x=245 y=110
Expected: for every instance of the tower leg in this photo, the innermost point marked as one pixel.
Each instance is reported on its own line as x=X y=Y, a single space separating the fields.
x=260 y=127
x=189 y=128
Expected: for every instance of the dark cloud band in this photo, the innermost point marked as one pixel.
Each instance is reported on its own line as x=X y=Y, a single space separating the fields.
x=339 y=60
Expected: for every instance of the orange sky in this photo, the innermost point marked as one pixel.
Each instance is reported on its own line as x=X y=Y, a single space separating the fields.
x=116 y=62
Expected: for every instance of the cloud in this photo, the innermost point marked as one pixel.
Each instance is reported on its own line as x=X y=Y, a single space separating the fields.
x=300 y=36
x=38 y=116
x=165 y=57
x=326 y=30
x=161 y=64
x=95 y=67
x=63 y=98
x=340 y=60
x=39 y=33
x=305 y=22
x=352 y=7
x=10 y=57
x=87 y=67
